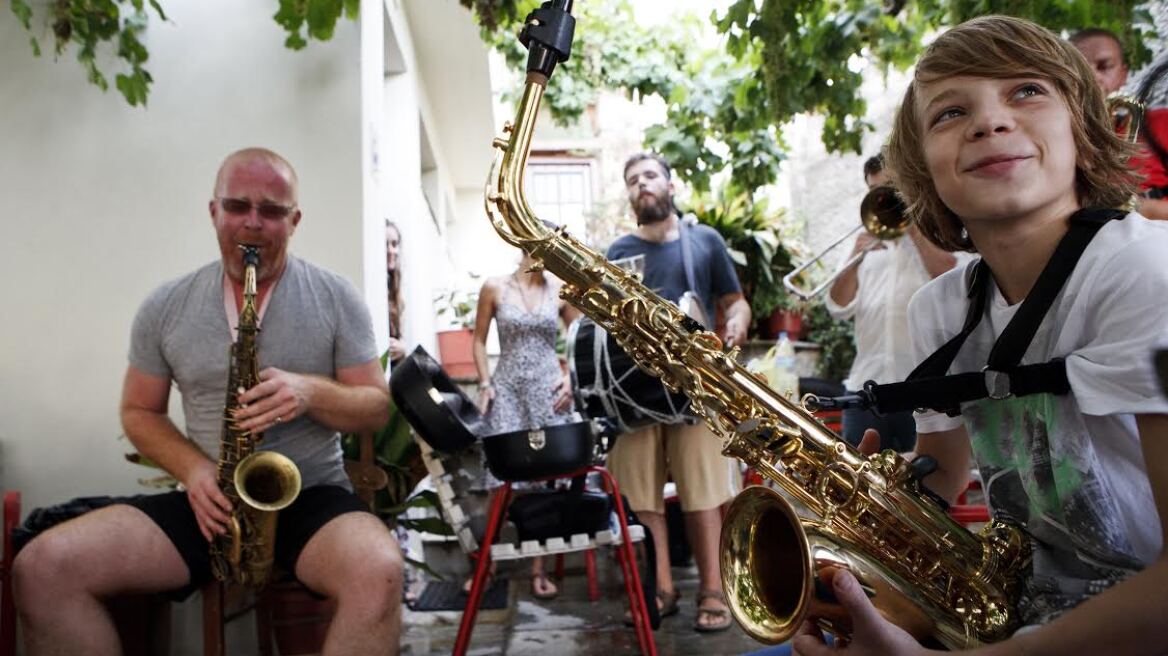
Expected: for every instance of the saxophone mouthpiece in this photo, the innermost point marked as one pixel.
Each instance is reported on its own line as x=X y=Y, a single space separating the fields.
x=251 y=255
x=547 y=35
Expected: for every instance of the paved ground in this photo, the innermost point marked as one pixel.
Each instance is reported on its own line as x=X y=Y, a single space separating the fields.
x=570 y=625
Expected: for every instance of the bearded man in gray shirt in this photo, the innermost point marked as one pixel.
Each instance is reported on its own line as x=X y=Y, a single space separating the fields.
x=642 y=460
x=320 y=376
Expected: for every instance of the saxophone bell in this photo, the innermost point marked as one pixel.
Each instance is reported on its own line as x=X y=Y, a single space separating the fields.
x=779 y=570
x=267 y=481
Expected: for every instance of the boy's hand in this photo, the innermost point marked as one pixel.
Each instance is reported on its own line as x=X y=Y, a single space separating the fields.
x=871 y=633
x=870 y=443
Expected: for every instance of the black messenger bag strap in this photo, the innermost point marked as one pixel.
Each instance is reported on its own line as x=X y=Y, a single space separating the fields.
x=928 y=386
x=684 y=227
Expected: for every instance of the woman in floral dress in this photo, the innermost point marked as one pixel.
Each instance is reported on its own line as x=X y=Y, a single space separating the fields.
x=529 y=388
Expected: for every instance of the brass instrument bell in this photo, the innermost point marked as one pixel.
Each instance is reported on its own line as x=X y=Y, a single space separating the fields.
x=882 y=213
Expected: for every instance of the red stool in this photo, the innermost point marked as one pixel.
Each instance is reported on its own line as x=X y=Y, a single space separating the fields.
x=7 y=604
x=969 y=513
x=589 y=571
x=625 y=556
x=833 y=419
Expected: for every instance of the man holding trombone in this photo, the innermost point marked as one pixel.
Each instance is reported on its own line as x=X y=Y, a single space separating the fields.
x=873 y=288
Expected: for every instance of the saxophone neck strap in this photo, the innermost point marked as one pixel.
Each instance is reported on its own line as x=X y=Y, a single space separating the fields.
x=930 y=386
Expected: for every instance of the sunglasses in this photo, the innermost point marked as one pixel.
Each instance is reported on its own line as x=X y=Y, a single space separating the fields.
x=266 y=210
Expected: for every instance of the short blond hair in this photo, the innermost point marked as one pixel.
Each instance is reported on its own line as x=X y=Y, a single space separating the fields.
x=1006 y=47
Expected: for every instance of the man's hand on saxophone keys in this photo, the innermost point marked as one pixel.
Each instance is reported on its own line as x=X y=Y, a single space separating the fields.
x=280 y=397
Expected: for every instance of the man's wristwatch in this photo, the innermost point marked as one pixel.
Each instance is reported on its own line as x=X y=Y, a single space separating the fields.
x=485 y=385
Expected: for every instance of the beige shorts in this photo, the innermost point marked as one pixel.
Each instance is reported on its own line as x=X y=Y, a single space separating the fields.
x=642 y=460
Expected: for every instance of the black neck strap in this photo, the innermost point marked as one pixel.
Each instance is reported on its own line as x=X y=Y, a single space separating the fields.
x=928 y=386
x=683 y=227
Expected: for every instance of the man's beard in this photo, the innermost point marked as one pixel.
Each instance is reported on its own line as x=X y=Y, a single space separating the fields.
x=652 y=210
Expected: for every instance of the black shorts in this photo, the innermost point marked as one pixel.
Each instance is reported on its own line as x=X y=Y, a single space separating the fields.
x=297 y=524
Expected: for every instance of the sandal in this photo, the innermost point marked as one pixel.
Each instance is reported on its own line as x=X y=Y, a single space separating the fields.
x=466 y=585
x=542 y=577
x=666 y=605
x=668 y=601
x=719 y=618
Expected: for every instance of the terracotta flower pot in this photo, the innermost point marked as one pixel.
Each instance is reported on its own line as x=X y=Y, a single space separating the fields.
x=455 y=347
x=785 y=320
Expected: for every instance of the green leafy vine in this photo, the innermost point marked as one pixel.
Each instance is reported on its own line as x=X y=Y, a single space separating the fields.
x=91 y=25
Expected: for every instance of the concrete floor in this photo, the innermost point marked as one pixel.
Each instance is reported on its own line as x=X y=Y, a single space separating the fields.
x=570 y=625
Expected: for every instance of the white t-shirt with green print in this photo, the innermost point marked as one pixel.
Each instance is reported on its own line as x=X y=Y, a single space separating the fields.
x=1068 y=468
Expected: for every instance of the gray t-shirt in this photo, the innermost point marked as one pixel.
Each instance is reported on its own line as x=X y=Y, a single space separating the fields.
x=714 y=274
x=315 y=323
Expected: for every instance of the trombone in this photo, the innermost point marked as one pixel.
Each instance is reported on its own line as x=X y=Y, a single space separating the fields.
x=882 y=213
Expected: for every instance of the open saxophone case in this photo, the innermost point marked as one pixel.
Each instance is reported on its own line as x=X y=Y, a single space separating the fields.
x=447 y=420
x=440 y=413
x=450 y=423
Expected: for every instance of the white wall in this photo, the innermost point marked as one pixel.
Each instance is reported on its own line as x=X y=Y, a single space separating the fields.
x=100 y=202
x=447 y=90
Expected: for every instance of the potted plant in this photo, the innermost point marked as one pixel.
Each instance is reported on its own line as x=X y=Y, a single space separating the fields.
x=762 y=255
x=455 y=344
x=837 y=347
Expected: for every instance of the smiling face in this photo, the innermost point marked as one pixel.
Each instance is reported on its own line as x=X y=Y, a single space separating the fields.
x=267 y=184
x=650 y=191
x=985 y=65
x=998 y=149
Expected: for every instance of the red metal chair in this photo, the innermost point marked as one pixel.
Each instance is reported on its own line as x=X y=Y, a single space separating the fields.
x=625 y=556
x=833 y=419
x=7 y=604
x=969 y=513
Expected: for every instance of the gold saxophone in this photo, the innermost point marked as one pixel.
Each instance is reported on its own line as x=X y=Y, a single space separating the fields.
x=258 y=484
x=924 y=571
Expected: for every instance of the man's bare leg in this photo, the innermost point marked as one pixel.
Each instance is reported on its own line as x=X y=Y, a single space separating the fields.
x=704 y=528
x=655 y=522
x=355 y=560
x=60 y=578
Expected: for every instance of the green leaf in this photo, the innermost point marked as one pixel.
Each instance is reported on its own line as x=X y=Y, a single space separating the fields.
x=423 y=499
x=322 y=18
x=132 y=88
x=427 y=525
x=424 y=567
x=23 y=13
